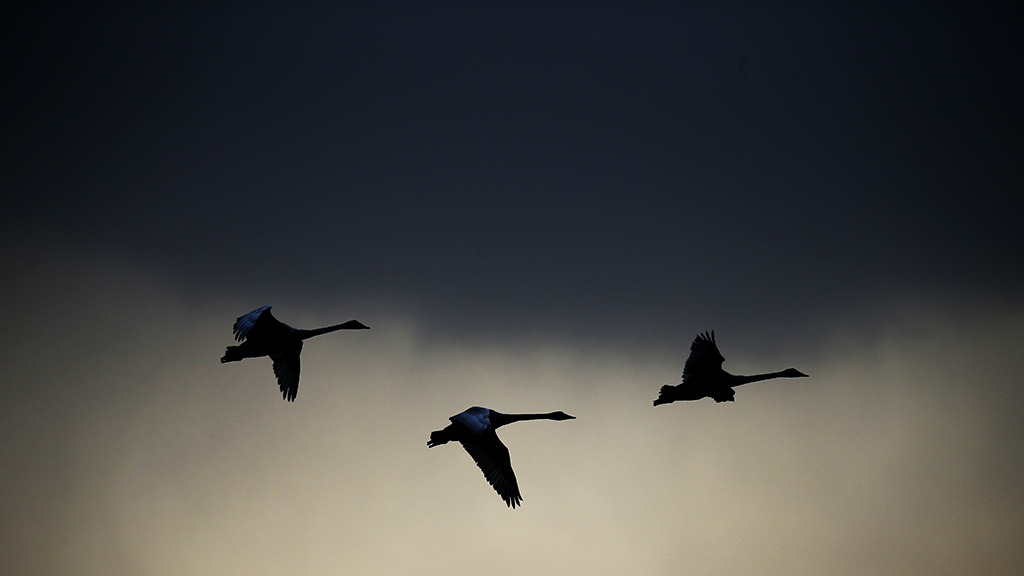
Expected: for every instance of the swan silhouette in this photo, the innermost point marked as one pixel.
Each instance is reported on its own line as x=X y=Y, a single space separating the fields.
x=703 y=376
x=475 y=430
x=265 y=335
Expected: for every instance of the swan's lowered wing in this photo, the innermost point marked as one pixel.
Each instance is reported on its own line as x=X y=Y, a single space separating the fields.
x=491 y=456
x=286 y=368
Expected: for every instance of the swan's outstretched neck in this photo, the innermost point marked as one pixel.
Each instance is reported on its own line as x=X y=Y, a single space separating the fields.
x=350 y=325
x=787 y=373
x=498 y=419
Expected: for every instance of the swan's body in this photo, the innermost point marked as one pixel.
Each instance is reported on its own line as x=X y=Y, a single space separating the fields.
x=475 y=430
x=703 y=376
x=265 y=335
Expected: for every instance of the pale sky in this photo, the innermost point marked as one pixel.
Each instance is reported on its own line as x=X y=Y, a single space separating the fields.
x=534 y=209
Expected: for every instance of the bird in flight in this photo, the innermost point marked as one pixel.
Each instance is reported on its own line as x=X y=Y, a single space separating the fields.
x=703 y=376
x=263 y=335
x=475 y=430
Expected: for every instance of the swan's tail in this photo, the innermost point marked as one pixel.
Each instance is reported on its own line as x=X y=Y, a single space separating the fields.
x=232 y=354
x=665 y=396
x=438 y=437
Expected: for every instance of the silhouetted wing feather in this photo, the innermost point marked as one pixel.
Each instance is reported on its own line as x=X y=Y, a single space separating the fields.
x=286 y=368
x=704 y=356
x=491 y=456
x=245 y=323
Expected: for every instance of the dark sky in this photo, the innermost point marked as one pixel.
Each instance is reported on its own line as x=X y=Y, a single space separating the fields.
x=513 y=166
x=535 y=206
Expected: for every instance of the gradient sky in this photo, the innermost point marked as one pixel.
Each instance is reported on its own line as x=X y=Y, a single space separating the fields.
x=535 y=208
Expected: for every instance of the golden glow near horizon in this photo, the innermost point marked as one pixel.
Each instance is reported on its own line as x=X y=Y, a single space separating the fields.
x=130 y=450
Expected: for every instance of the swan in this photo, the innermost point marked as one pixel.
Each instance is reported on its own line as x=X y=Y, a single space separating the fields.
x=474 y=429
x=265 y=335
x=703 y=375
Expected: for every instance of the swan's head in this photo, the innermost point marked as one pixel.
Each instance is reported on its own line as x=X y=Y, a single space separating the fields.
x=793 y=373
x=561 y=416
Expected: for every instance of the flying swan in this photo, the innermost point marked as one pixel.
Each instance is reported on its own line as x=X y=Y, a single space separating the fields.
x=475 y=430
x=265 y=335
x=703 y=376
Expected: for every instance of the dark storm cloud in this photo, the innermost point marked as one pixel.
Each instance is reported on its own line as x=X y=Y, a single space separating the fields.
x=529 y=164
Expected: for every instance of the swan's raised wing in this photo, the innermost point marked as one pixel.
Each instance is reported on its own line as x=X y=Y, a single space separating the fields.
x=245 y=323
x=491 y=456
x=476 y=419
x=286 y=368
x=704 y=356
